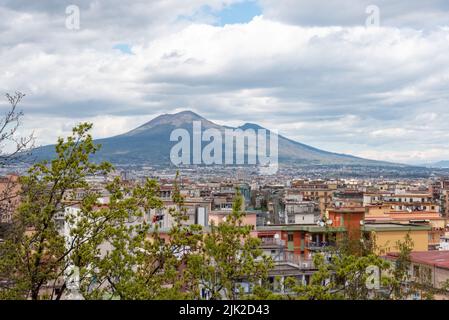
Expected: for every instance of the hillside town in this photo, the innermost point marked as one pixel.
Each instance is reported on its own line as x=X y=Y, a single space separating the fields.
x=296 y=218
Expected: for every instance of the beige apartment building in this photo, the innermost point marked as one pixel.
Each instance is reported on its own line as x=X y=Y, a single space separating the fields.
x=430 y=270
x=9 y=197
x=317 y=191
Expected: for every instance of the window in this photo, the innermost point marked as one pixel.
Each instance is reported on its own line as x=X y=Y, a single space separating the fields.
x=416 y=272
x=290 y=237
x=426 y=275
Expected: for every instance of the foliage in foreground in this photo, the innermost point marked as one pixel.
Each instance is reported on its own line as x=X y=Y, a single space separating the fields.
x=115 y=254
x=110 y=248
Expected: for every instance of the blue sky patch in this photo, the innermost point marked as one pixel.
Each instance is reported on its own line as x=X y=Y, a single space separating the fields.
x=241 y=12
x=124 y=48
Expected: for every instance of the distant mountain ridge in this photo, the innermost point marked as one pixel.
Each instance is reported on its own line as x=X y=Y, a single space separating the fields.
x=150 y=144
x=444 y=164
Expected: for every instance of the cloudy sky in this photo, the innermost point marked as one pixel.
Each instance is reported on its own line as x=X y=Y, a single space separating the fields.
x=326 y=72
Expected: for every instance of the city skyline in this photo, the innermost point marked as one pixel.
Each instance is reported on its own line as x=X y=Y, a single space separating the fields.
x=223 y=157
x=321 y=77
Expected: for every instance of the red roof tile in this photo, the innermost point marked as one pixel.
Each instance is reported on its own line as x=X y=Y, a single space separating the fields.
x=433 y=258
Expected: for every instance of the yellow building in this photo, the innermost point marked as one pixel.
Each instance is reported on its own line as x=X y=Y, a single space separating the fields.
x=386 y=236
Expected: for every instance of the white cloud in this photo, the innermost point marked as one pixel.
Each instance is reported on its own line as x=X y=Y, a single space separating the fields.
x=377 y=92
x=393 y=13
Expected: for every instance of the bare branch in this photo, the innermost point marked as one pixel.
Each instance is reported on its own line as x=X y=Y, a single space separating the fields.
x=9 y=138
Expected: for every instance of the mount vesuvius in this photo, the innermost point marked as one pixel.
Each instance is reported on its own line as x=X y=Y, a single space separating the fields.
x=150 y=144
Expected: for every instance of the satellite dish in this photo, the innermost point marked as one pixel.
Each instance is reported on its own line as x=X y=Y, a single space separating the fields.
x=276 y=236
x=321 y=224
x=329 y=222
x=362 y=222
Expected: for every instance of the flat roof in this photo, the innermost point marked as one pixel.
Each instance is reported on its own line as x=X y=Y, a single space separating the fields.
x=347 y=210
x=312 y=228
x=400 y=195
x=228 y=212
x=389 y=226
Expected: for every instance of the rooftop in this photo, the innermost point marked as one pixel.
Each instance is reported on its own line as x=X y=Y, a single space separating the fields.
x=390 y=226
x=312 y=228
x=434 y=258
x=347 y=210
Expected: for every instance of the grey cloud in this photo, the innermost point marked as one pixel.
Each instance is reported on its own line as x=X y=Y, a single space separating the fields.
x=342 y=88
x=394 y=13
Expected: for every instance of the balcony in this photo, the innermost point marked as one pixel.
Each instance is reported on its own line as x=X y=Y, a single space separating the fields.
x=272 y=242
x=295 y=260
x=317 y=246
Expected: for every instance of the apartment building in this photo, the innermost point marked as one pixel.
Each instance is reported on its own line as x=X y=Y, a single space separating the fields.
x=348 y=218
x=445 y=202
x=298 y=211
x=317 y=191
x=197 y=211
x=9 y=197
x=386 y=235
x=430 y=270
x=412 y=202
x=347 y=198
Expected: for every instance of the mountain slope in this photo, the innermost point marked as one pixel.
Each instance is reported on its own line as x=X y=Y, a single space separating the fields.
x=150 y=144
x=440 y=164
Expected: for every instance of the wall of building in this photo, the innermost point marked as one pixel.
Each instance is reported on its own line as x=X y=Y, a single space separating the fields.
x=295 y=246
x=9 y=193
x=441 y=275
x=304 y=218
x=378 y=211
x=386 y=240
x=349 y=220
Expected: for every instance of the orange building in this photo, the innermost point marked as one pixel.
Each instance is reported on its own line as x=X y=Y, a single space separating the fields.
x=299 y=239
x=9 y=197
x=350 y=218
